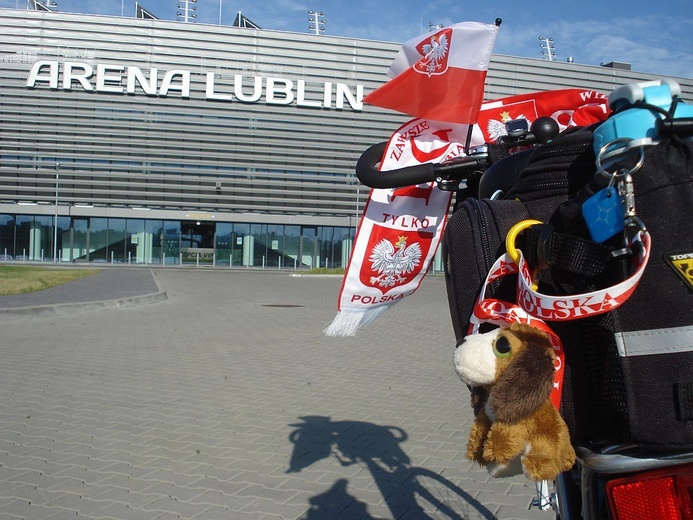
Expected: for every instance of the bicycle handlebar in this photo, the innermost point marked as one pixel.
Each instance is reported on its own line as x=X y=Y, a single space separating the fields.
x=448 y=175
x=459 y=168
x=368 y=174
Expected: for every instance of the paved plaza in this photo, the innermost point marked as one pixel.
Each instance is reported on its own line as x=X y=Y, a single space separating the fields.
x=213 y=394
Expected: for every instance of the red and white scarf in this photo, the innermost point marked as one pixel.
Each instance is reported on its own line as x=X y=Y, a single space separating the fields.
x=400 y=229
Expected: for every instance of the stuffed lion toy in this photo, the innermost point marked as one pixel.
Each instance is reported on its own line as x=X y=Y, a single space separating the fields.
x=516 y=427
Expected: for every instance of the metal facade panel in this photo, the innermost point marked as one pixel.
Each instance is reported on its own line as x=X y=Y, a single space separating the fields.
x=177 y=152
x=509 y=75
x=185 y=152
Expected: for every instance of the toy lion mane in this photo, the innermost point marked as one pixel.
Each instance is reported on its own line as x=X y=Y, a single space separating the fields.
x=516 y=427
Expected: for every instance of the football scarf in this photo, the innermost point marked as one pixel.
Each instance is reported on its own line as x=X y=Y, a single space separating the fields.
x=400 y=229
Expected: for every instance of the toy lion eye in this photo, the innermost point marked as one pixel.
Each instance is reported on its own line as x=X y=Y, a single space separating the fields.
x=501 y=347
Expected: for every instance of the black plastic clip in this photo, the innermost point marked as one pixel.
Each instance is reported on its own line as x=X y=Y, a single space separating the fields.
x=536 y=240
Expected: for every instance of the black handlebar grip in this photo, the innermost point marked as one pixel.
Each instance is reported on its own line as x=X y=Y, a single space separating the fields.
x=368 y=174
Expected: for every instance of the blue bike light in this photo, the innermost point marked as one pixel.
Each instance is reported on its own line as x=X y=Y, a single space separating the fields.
x=636 y=121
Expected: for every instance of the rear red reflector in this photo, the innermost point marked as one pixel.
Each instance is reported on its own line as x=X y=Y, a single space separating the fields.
x=656 y=495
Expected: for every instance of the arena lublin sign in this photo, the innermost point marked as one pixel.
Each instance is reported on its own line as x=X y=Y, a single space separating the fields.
x=121 y=79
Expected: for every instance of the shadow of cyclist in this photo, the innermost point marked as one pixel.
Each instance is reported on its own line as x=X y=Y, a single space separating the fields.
x=377 y=448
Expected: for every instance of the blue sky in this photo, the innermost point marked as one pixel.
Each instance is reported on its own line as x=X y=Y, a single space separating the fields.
x=653 y=36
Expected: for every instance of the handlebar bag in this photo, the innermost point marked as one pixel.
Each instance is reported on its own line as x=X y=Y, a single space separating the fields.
x=632 y=368
x=629 y=372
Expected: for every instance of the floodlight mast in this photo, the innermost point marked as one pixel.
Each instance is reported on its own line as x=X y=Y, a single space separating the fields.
x=316 y=21
x=187 y=12
x=547 y=48
x=41 y=5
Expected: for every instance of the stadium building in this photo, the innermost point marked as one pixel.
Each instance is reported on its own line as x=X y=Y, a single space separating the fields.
x=145 y=141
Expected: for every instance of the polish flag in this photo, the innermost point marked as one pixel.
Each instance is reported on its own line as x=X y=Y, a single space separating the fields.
x=569 y=107
x=441 y=75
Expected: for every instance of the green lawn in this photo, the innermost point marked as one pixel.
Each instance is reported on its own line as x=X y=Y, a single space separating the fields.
x=15 y=279
x=324 y=270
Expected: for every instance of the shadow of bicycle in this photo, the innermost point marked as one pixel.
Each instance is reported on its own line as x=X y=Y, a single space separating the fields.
x=410 y=491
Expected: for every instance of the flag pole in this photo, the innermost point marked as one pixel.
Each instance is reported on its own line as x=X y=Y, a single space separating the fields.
x=468 y=142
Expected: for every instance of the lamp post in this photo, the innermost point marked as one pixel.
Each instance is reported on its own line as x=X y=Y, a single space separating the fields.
x=55 y=217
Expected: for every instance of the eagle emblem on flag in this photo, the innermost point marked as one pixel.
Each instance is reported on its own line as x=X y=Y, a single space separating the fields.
x=435 y=52
x=391 y=263
x=495 y=114
x=495 y=129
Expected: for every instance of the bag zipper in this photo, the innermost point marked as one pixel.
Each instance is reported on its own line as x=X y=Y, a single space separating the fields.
x=483 y=234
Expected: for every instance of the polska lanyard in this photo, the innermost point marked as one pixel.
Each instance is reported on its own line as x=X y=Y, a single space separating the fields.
x=535 y=308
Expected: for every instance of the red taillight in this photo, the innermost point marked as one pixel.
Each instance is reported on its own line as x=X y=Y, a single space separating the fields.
x=656 y=495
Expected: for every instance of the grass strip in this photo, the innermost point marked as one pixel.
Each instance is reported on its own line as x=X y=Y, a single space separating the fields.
x=15 y=279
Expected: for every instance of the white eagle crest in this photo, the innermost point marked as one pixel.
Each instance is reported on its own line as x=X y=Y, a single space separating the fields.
x=391 y=263
x=434 y=53
x=496 y=129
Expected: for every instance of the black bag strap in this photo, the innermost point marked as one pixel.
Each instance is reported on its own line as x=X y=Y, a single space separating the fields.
x=546 y=248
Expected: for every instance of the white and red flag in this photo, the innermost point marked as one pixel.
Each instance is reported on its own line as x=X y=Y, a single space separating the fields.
x=440 y=75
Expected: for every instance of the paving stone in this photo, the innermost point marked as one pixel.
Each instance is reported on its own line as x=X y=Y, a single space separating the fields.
x=79 y=488
x=77 y=504
x=64 y=514
x=133 y=499
x=14 y=506
x=120 y=511
x=33 y=494
x=213 y=513
x=168 y=516
x=520 y=502
x=216 y=498
x=513 y=513
x=229 y=488
x=172 y=505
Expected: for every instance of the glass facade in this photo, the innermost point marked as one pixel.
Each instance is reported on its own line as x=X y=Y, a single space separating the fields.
x=164 y=242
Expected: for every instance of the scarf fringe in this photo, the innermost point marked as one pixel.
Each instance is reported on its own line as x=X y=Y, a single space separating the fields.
x=347 y=323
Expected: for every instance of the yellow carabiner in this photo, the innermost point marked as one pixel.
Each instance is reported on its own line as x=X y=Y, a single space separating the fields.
x=512 y=235
x=510 y=244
